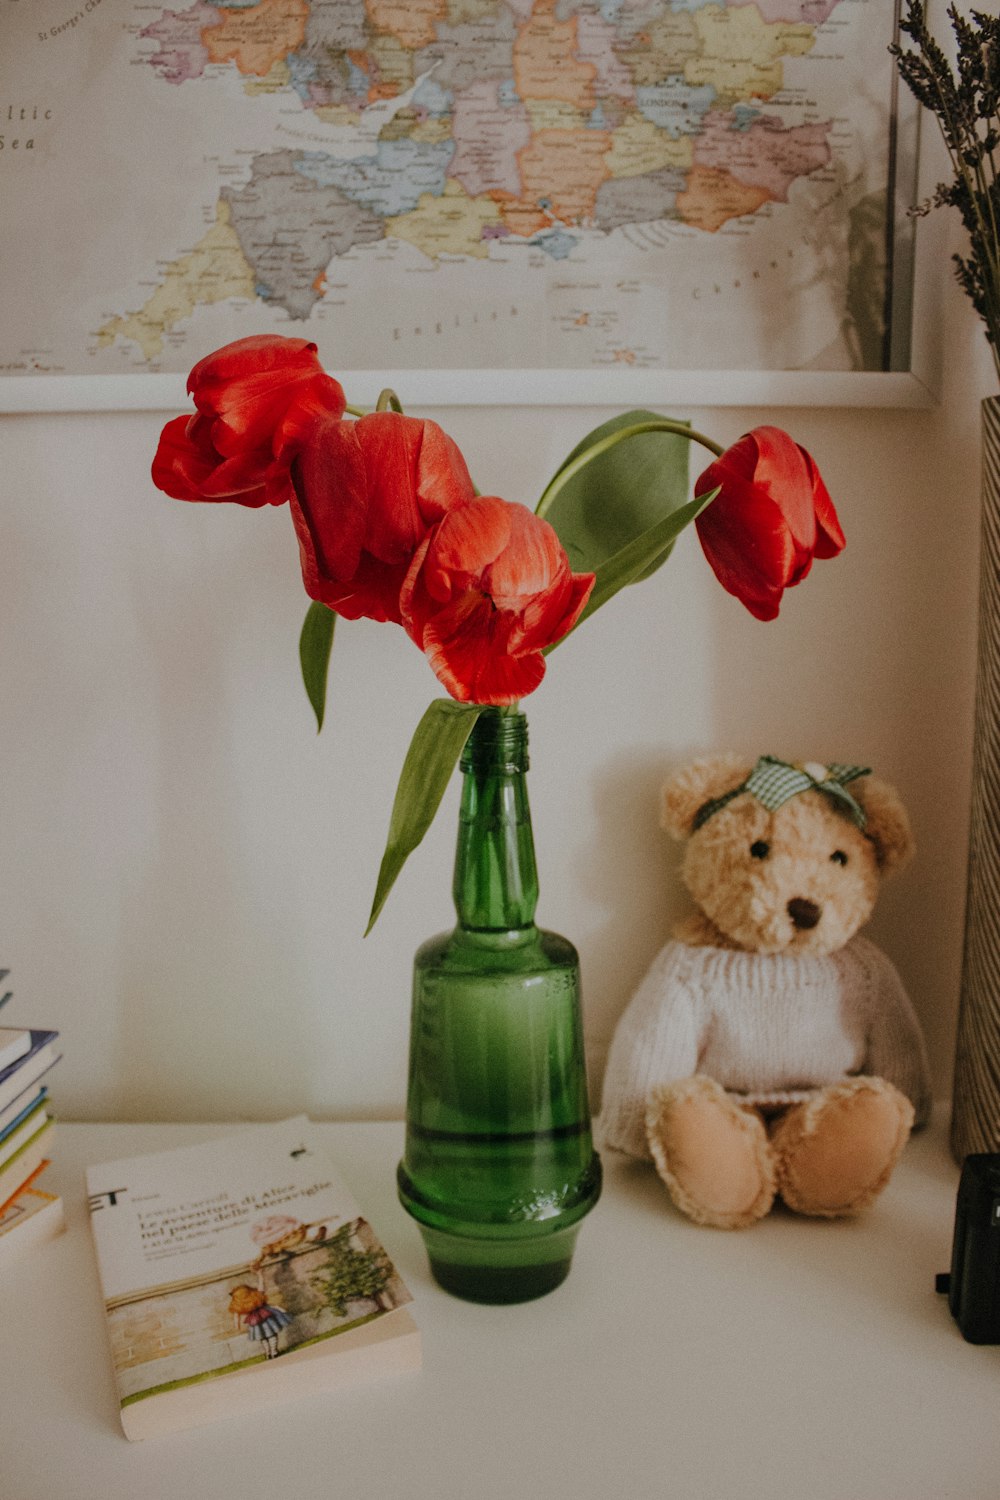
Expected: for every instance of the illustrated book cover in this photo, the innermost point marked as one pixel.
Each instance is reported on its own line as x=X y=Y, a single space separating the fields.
x=238 y=1274
x=32 y=1216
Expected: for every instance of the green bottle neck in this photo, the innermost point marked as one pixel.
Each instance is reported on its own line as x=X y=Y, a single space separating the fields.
x=496 y=883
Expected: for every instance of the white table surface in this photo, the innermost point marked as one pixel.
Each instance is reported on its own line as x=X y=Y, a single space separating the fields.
x=798 y=1359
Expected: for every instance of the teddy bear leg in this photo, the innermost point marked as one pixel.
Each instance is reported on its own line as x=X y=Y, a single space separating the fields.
x=835 y=1153
x=713 y=1156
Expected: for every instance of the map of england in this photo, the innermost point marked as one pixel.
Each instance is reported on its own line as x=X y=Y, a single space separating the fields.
x=599 y=182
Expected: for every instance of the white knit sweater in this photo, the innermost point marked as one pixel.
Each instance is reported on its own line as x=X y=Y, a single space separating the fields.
x=768 y=1027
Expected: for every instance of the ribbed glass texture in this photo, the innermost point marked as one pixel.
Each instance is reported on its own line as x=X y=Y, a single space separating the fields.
x=499 y=1166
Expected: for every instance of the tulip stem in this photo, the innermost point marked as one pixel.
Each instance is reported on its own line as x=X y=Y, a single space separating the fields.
x=655 y=424
x=387 y=401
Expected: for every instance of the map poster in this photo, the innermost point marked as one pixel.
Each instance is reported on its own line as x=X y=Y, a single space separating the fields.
x=452 y=185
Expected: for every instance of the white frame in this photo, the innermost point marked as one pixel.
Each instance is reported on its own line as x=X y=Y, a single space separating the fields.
x=917 y=387
x=442 y=388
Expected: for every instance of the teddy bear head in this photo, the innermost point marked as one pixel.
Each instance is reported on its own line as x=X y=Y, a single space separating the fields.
x=781 y=858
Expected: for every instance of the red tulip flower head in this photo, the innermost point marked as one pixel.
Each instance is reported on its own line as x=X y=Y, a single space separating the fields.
x=255 y=400
x=366 y=494
x=488 y=590
x=390 y=527
x=772 y=516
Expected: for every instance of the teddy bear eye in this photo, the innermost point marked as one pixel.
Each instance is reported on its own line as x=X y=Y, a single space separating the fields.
x=760 y=849
x=839 y=857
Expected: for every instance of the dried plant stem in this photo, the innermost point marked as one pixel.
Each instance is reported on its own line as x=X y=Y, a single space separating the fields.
x=967 y=109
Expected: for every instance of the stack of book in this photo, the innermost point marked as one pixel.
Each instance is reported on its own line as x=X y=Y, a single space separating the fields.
x=29 y=1213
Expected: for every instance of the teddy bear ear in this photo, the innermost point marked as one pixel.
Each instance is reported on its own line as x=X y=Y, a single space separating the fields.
x=888 y=823
x=690 y=787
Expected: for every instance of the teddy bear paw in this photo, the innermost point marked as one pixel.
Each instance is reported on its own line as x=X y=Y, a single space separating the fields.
x=713 y=1155
x=836 y=1152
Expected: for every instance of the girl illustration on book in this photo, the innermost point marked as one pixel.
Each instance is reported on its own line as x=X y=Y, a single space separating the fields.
x=261 y=1319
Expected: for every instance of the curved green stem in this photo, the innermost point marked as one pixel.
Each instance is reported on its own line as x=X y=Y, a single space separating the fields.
x=387 y=401
x=659 y=424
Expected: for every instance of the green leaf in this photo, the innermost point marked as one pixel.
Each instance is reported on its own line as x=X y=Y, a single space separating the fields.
x=631 y=482
x=634 y=560
x=315 y=644
x=430 y=760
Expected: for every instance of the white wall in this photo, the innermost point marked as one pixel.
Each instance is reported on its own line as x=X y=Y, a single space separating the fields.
x=186 y=868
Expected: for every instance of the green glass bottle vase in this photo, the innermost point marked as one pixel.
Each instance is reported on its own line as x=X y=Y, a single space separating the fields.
x=499 y=1166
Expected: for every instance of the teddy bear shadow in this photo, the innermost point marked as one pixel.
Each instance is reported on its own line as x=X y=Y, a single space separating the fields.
x=630 y=870
x=882 y=1262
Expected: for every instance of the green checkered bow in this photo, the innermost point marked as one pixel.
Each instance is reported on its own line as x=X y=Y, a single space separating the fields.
x=774 y=782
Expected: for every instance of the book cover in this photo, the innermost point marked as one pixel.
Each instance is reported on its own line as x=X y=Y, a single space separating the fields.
x=15 y=1042
x=19 y=1075
x=33 y=1216
x=239 y=1273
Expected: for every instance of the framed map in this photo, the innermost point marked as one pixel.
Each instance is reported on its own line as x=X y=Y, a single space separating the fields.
x=594 y=201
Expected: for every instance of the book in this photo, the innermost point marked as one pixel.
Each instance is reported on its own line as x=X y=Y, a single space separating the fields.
x=22 y=1130
x=18 y=1170
x=35 y=1063
x=15 y=1042
x=33 y=1216
x=19 y=1107
x=29 y=1181
x=238 y=1274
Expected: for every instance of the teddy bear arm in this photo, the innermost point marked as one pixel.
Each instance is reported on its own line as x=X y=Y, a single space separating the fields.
x=895 y=1048
x=656 y=1042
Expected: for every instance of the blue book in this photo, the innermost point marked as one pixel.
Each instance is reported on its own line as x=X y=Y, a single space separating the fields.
x=29 y=1069
x=29 y=1129
x=26 y=1101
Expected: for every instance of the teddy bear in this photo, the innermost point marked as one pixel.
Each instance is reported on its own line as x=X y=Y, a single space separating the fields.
x=771 y=1051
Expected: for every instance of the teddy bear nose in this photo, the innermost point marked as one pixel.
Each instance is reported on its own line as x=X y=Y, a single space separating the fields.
x=804 y=913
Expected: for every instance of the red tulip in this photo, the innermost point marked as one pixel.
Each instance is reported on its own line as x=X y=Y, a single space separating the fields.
x=366 y=495
x=771 y=518
x=255 y=400
x=486 y=592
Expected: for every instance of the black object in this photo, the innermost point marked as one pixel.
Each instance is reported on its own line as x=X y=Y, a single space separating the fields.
x=973 y=1284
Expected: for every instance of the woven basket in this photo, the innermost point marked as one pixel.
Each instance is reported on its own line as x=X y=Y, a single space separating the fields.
x=976 y=1095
